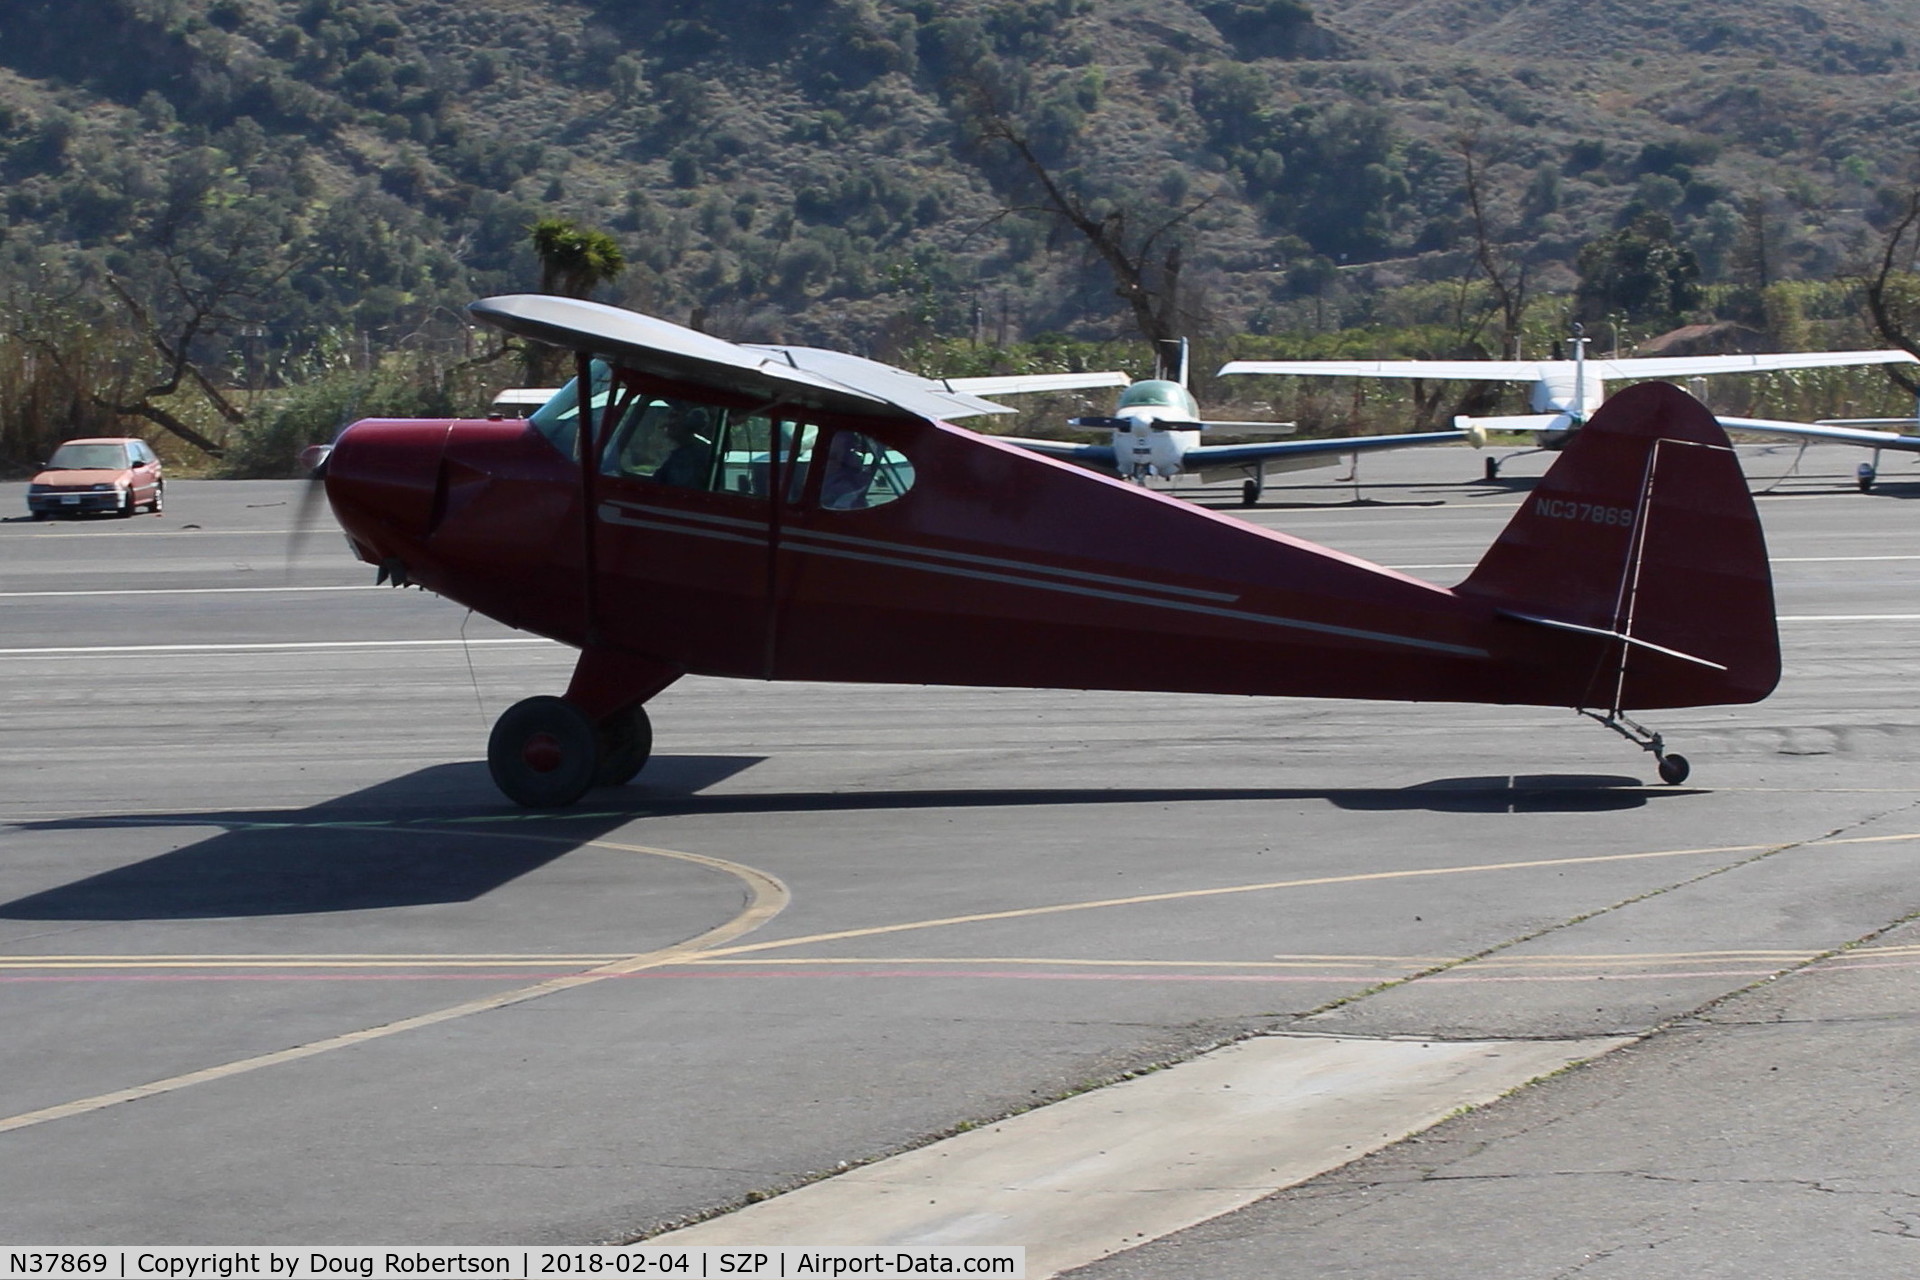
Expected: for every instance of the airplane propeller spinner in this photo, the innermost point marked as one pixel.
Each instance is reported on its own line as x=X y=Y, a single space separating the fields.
x=781 y=514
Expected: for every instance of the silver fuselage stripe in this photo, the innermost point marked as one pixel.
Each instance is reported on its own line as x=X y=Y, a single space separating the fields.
x=617 y=513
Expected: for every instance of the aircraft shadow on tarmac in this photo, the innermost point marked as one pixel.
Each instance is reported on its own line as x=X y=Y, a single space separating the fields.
x=387 y=846
x=409 y=841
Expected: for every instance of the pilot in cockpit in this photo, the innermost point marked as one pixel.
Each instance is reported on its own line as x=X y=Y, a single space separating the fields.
x=689 y=459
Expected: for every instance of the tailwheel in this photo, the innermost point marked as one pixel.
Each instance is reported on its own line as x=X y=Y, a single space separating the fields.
x=624 y=741
x=1673 y=768
x=543 y=753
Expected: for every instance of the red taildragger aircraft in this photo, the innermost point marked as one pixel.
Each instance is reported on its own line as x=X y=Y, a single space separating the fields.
x=794 y=514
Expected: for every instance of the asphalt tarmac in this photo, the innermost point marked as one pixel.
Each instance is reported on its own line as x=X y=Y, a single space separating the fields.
x=278 y=965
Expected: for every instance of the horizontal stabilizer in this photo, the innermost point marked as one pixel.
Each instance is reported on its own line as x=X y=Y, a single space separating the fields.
x=1621 y=636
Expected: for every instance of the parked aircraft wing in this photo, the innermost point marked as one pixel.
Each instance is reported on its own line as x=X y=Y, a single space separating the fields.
x=1835 y=431
x=1479 y=427
x=1472 y=370
x=1704 y=366
x=1087 y=455
x=1025 y=383
x=1223 y=455
x=1251 y=428
x=1597 y=367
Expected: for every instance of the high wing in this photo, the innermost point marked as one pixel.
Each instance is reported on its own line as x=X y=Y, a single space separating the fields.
x=955 y=397
x=808 y=376
x=1843 y=431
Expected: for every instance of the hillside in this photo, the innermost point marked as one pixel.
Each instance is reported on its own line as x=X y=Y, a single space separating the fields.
x=345 y=174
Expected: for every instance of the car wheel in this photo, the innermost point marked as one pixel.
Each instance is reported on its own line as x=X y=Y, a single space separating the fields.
x=159 y=497
x=128 y=507
x=43 y=515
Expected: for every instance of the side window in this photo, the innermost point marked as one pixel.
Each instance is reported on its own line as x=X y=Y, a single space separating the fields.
x=858 y=471
x=669 y=442
x=688 y=445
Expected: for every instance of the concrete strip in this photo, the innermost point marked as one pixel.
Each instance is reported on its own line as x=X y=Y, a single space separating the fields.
x=1114 y=1167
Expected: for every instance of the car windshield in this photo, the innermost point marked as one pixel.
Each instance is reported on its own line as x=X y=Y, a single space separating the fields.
x=89 y=457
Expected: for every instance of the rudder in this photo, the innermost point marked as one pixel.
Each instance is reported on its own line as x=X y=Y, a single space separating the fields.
x=1642 y=544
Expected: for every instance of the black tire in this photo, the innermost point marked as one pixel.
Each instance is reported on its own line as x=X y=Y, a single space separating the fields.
x=159 y=498
x=542 y=753
x=1674 y=770
x=624 y=741
x=1866 y=484
x=1249 y=493
x=128 y=507
x=43 y=515
x=1493 y=468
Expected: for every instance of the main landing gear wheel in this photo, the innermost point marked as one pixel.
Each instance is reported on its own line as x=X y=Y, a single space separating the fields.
x=1249 y=493
x=1493 y=468
x=543 y=753
x=624 y=740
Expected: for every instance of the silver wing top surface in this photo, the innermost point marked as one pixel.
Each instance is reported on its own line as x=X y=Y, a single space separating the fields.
x=649 y=345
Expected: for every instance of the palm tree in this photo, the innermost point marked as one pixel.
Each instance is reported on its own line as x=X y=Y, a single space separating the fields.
x=573 y=260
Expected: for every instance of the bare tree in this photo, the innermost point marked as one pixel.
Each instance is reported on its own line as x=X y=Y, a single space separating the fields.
x=1889 y=290
x=1145 y=263
x=1507 y=279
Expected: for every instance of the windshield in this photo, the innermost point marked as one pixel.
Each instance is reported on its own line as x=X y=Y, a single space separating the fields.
x=88 y=457
x=1161 y=394
x=559 y=418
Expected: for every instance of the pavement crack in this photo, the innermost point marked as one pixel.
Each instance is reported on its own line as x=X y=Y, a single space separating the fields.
x=1570 y=922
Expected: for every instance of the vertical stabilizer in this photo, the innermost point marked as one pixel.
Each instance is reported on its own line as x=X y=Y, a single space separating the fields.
x=1170 y=360
x=1642 y=545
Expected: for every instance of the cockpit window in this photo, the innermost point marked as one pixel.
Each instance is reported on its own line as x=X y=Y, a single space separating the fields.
x=858 y=471
x=559 y=418
x=685 y=444
x=1159 y=393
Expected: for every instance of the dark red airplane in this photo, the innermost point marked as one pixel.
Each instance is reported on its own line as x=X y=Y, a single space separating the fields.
x=795 y=514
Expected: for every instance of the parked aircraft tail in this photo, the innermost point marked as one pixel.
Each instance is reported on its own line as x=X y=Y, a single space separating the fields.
x=1643 y=539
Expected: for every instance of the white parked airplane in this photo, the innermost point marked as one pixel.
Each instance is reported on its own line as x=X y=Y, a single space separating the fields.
x=1566 y=392
x=1156 y=432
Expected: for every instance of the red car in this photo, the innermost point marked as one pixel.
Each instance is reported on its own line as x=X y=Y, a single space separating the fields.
x=119 y=474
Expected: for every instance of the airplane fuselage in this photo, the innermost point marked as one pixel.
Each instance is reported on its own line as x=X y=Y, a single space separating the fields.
x=1146 y=444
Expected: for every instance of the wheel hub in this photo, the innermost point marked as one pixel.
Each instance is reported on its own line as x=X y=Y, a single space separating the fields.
x=542 y=753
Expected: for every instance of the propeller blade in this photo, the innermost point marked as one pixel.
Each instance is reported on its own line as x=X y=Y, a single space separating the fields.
x=313 y=495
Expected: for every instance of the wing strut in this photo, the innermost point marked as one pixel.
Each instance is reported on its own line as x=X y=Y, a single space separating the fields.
x=587 y=440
